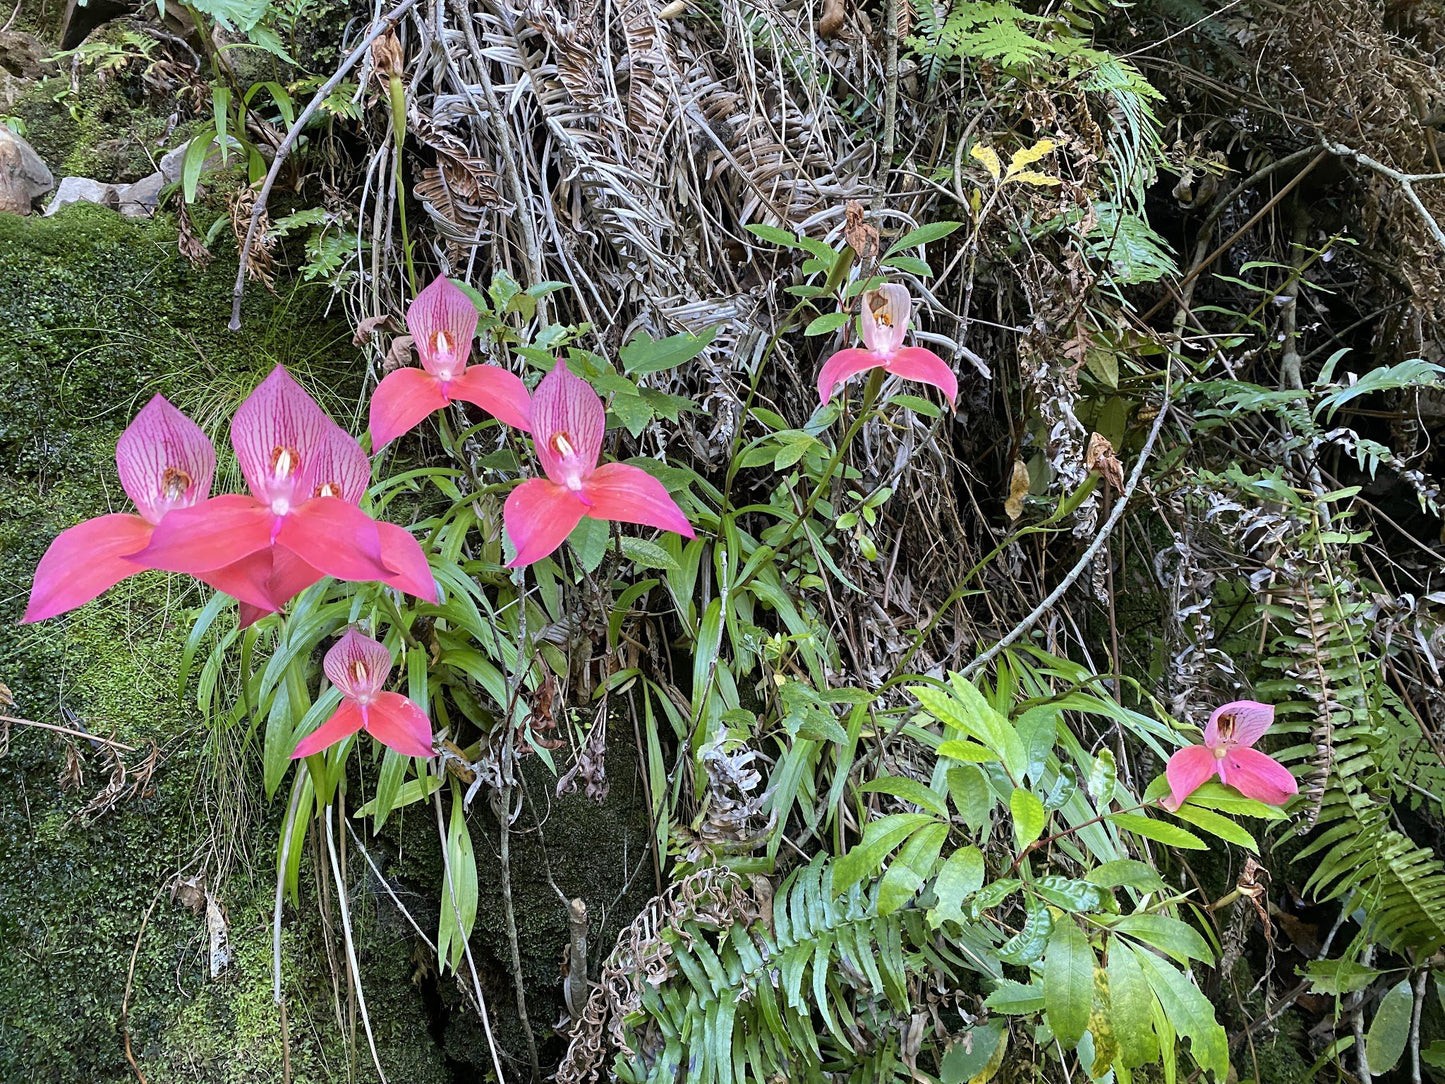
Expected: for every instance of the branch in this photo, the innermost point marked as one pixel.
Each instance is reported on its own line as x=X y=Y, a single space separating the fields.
x=289 y=144
x=1406 y=181
x=1094 y=547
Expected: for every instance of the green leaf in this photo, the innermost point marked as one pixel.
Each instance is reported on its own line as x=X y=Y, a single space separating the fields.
x=589 y=542
x=1103 y=778
x=772 y=234
x=970 y=1056
x=909 y=790
x=1070 y=894
x=914 y=864
x=1126 y=873
x=961 y=876
x=1188 y=1011
x=1026 y=946
x=972 y=798
x=1038 y=729
x=1217 y=825
x=829 y=321
x=1028 y=816
x=1159 y=831
x=647 y=554
x=1339 y=976
x=1131 y=1005
x=457 y=920
x=1068 y=976
x=969 y=751
x=1390 y=1030
x=1015 y=998
x=1168 y=935
x=643 y=354
x=932 y=231
x=880 y=837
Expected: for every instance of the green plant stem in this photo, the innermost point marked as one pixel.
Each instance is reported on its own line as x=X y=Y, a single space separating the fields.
x=397 y=94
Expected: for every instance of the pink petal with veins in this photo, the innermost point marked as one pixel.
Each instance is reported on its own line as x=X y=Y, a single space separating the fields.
x=340 y=468
x=334 y=537
x=843 y=365
x=1187 y=771
x=1257 y=776
x=539 y=515
x=399 y=724
x=568 y=421
x=498 y=392
x=346 y=722
x=443 y=322
x=164 y=460
x=916 y=363
x=885 y=318
x=400 y=402
x=628 y=494
x=1238 y=723
x=276 y=433
x=84 y=561
x=210 y=535
x=357 y=665
x=247 y=580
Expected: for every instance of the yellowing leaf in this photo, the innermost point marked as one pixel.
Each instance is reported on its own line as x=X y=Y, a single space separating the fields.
x=1029 y=155
x=1028 y=176
x=990 y=159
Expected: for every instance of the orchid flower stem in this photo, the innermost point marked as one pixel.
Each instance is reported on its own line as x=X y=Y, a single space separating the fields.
x=870 y=396
x=397 y=93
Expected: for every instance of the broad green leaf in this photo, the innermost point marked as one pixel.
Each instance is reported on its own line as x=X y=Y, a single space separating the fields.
x=933 y=231
x=1102 y=779
x=1188 y=1011
x=1217 y=825
x=1159 y=831
x=589 y=542
x=1026 y=946
x=772 y=234
x=642 y=354
x=968 y=751
x=1037 y=729
x=457 y=917
x=646 y=554
x=1390 y=1030
x=880 y=837
x=1070 y=894
x=1068 y=975
x=1063 y=788
x=961 y=876
x=1028 y=816
x=1126 y=873
x=1131 y=1004
x=1015 y=998
x=829 y=321
x=913 y=864
x=908 y=790
x=971 y=1055
x=971 y=795
x=1339 y=976
x=1168 y=935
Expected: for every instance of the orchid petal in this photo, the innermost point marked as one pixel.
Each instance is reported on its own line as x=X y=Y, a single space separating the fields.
x=346 y=722
x=339 y=468
x=1186 y=771
x=885 y=318
x=916 y=363
x=443 y=322
x=500 y=393
x=538 y=516
x=357 y=665
x=248 y=580
x=841 y=366
x=402 y=553
x=1238 y=723
x=400 y=402
x=335 y=538
x=1257 y=776
x=248 y=615
x=568 y=421
x=164 y=460
x=84 y=561
x=210 y=535
x=276 y=432
x=399 y=724
x=628 y=494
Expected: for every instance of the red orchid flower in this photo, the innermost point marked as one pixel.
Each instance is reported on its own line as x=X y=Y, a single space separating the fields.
x=342 y=470
x=1227 y=752
x=443 y=321
x=885 y=322
x=281 y=437
x=165 y=463
x=568 y=421
x=359 y=667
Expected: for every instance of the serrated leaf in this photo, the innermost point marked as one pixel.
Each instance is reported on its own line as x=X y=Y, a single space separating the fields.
x=1015 y=998
x=1217 y=825
x=648 y=554
x=1159 y=831
x=1131 y=1004
x=968 y=787
x=961 y=876
x=1068 y=975
x=1169 y=935
x=1339 y=976
x=1028 y=155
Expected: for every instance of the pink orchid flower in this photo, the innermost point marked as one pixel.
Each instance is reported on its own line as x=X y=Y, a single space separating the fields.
x=165 y=463
x=885 y=322
x=359 y=667
x=281 y=437
x=443 y=321
x=1228 y=753
x=342 y=470
x=568 y=421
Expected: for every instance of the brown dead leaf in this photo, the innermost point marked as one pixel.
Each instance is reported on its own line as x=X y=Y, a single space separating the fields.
x=399 y=353
x=369 y=327
x=830 y=23
x=1100 y=457
x=861 y=235
x=1018 y=489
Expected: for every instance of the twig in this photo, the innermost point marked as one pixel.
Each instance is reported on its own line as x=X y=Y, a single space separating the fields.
x=1406 y=181
x=289 y=144
x=1415 y=1026
x=1094 y=547
x=68 y=730
x=130 y=976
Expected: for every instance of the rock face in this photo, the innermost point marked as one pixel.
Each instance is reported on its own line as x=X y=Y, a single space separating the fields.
x=24 y=178
x=139 y=200
x=82 y=190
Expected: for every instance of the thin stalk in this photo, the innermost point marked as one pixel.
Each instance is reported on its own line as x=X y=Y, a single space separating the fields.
x=350 y=946
x=397 y=94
